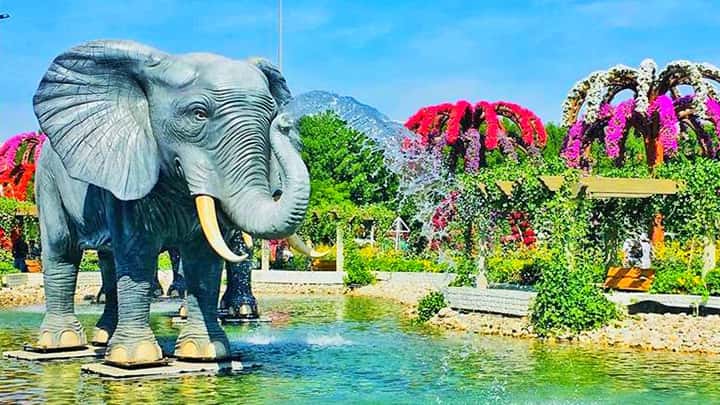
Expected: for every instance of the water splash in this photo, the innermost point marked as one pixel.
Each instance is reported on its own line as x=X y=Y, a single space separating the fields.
x=420 y=171
x=260 y=340
x=327 y=340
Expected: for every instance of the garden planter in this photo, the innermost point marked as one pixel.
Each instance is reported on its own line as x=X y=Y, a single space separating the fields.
x=33 y=266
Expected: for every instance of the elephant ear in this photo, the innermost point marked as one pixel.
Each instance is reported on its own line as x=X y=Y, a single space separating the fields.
x=92 y=105
x=278 y=86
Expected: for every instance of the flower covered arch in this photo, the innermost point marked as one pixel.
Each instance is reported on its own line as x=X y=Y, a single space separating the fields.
x=18 y=156
x=470 y=130
x=657 y=111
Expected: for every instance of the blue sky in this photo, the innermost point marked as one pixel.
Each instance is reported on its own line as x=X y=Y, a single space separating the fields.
x=396 y=55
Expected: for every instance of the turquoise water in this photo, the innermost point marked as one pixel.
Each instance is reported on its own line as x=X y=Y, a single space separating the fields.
x=358 y=350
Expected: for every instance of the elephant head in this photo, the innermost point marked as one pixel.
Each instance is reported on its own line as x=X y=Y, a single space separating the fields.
x=119 y=114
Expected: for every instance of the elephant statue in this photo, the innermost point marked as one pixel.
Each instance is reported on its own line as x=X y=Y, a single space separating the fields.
x=238 y=301
x=149 y=150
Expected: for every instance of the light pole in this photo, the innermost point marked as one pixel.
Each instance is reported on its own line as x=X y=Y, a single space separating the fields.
x=280 y=34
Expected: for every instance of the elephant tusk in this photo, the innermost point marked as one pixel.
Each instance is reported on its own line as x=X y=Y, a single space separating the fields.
x=205 y=206
x=297 y=244
x=248 y=240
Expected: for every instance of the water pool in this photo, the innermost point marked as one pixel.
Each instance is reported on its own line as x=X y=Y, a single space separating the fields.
x=359 y=350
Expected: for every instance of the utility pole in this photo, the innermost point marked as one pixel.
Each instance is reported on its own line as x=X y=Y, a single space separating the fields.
x=280 y=35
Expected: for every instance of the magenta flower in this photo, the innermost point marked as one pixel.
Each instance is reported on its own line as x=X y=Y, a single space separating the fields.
x=669 y=124
x=615 y=129
x=573 y=143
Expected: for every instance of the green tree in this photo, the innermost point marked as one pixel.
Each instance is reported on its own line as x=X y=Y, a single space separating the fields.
x=344 y=164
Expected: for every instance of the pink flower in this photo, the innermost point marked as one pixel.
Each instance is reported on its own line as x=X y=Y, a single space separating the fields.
x=458 y=113
x=713 y=111
x=615 y=130
x=573 y=143
x=493 y=124
x=669 y=124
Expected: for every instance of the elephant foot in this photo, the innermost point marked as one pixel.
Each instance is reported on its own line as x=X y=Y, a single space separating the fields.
x=133 y=353
x=243 y=307
x=101 y=336
x=61 y=332
x=201 y=347
x=242 y=311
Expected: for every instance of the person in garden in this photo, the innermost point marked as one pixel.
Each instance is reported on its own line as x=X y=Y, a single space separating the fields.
x=20 y=252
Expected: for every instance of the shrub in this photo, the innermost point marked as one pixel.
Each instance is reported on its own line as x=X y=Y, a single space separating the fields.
x=357 y=271
x=568 y=300
x=430 y=305
x=7 y=267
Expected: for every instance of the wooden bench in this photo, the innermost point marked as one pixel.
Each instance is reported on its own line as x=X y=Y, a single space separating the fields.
x=629 y=279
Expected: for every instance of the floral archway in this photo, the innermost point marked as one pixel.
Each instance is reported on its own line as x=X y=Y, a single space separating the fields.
x=657 y=111
x=461 y=135
x=470 y=130
x=18 y=156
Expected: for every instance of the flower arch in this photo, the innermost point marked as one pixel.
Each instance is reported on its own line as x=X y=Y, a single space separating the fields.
x=470 y=130
x=18 y=156
x=657 y=111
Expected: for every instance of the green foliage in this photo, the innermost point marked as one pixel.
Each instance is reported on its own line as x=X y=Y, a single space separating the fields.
x=567 y=298
x=357 y=270
x=344 y=164
x=430 y=305
x=516 y=265
x=695 y=211
x=90 y=261
x=9 y=209
x=6 y=263
x=164 y=262
x=679 y=270
x=465 y=272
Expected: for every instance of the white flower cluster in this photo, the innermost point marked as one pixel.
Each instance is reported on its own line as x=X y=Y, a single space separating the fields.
x=710 y=71
x=686 y=72
x=575 y=98
x=645 y=79
x=595 y=97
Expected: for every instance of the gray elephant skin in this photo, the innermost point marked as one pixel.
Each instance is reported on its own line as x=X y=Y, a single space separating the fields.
x=149 y=151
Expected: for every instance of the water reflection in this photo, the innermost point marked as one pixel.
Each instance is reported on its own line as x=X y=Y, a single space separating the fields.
x=333 y=349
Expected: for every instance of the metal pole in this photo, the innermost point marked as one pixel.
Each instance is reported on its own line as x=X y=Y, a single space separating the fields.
x=280 y=35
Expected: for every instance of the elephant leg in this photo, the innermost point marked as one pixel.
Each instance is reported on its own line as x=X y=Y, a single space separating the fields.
x=107 y=323
x=61 y=257
x=60 y=329
x=133 y=342
x=178 y=285
x=202 y=338
x=238 y=300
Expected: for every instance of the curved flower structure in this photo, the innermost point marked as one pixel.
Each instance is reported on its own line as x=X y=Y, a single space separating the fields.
x=17 y=163
x=657 y=111
x=471 y=130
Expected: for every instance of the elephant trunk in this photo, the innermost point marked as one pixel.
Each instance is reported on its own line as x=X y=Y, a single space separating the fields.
x=256 y=211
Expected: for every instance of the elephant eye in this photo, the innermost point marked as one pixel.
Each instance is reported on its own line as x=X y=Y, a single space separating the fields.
x=200 y=114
